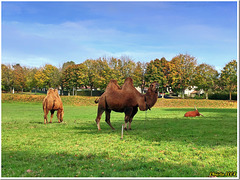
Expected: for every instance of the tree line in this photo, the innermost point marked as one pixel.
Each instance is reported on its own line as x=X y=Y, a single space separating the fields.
x=181 y=72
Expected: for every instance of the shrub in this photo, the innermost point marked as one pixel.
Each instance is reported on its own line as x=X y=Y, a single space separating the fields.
x=199 y=97
x=88 y=93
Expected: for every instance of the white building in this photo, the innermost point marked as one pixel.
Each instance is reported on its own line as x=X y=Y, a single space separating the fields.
x=191 y=91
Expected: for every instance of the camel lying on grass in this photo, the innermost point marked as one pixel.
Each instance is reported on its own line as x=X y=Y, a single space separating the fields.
x=193 y=113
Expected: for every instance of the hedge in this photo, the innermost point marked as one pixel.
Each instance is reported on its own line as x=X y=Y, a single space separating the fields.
x=222 y=96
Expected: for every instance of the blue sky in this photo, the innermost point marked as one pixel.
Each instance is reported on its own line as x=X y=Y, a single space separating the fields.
x=36 y=33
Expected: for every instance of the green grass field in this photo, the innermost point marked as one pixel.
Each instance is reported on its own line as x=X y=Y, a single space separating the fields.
x=165 y=144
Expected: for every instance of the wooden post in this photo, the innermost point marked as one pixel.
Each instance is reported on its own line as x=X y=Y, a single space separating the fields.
x=145 y=115
x=122 y=132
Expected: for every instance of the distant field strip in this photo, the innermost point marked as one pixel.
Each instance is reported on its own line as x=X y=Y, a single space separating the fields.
x=89 y=101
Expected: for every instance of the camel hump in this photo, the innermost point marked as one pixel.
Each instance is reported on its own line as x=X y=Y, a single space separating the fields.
x=128 y=80
x=50 y=91
x=53 y=93
x=56 y=92
x=113 y=85
x=52 y=100
x=128 y=83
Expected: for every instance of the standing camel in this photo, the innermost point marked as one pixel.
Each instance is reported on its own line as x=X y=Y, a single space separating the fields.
x=52 y=102
x=125 y=99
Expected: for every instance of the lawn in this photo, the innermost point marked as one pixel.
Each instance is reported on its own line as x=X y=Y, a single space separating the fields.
x=162 y=143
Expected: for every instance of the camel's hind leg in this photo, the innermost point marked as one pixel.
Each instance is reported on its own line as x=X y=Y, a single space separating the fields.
x=52 y=112
x=45 y=116
x=107 y=113
x=135 y=110
x=99 y=115
x=128 y=112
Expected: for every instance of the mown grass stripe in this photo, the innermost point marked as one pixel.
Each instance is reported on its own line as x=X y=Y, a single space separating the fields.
x=165 y=145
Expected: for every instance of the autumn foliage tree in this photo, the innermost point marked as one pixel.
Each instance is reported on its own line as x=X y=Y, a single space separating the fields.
x=47 y=77
x=104 y=73
x=18 y=77
x=176 y=75
x=6 y=77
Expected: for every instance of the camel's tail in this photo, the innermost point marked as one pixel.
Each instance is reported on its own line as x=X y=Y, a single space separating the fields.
x=96 y=100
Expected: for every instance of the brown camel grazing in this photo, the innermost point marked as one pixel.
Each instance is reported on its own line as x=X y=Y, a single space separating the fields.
x=52 y=102
x=126 y=99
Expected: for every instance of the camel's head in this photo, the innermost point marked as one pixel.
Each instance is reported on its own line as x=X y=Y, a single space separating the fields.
x=61 y=115
x=197 y=112
x=154 y=87
x=151 y=95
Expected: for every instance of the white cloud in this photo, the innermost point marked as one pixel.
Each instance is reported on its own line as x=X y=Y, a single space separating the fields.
x=75 y=41
x=38 y=44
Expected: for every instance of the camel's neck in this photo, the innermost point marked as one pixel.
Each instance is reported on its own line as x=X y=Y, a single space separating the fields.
x=147 y=100
x=151 y=98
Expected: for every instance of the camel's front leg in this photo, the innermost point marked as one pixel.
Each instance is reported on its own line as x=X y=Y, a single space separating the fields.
x=135 y=110
x=107 y=113
x=59 y=115
x=128 y=112
x=52 y=112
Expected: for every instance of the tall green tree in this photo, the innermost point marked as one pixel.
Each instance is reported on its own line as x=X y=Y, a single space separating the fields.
x=40 y=78
x=205 y=77
x=157 y=70
x=128 y=67
x=91 y=73
x=105 y=73
x=138 y=75
x=61 y=70
x=122 y=68
x=229 y=77
x=66 y=64
x=183 y=67
x=30 y=80
x=116 y=65
x=75 y=76
x=52 y=76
